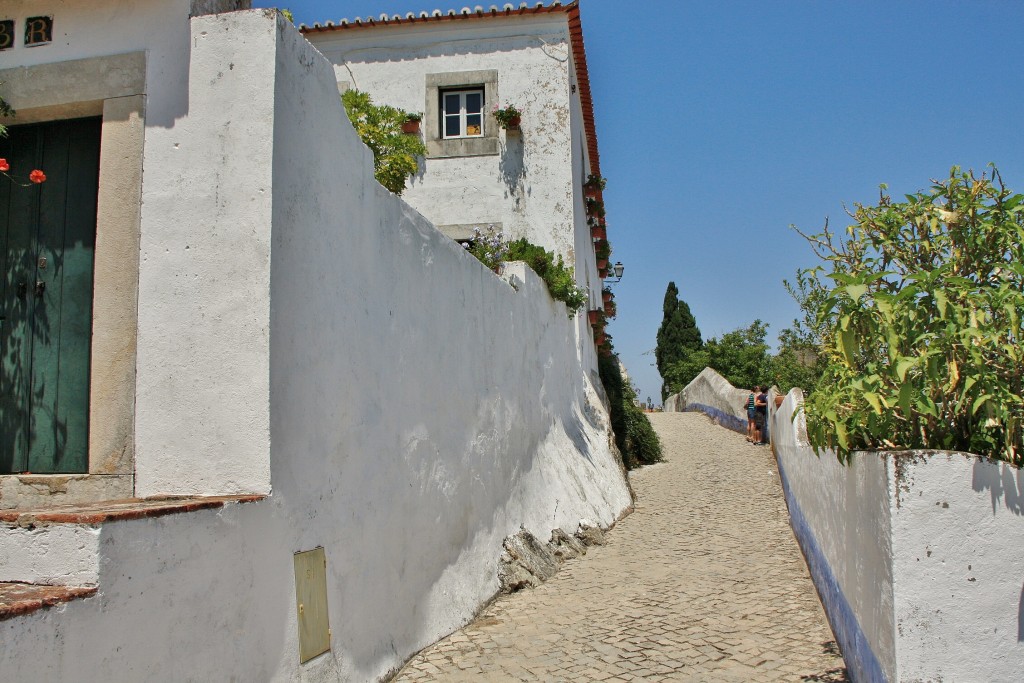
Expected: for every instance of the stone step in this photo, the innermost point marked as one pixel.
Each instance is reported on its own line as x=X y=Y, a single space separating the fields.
x=59 y=545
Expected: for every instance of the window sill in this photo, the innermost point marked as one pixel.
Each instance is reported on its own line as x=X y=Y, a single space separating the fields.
x=462 y=147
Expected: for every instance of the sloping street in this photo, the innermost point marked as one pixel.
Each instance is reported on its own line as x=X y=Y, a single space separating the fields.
x=703 y=582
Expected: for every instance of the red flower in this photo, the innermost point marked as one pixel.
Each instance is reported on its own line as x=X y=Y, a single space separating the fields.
x=4 y=166
x=37 y=176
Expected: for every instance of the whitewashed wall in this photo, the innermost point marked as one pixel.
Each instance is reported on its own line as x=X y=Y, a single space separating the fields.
x=533 y=187
x=918 y=556
x=710 y=393
x=418 y=409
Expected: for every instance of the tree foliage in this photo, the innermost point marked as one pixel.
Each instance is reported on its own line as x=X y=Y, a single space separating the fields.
x=678 y=336
x=920 y=308
x=395 y=155
x=740 y=356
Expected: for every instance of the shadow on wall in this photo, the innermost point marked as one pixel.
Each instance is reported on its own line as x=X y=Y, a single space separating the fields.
x=1003 y=483
x=513 y=167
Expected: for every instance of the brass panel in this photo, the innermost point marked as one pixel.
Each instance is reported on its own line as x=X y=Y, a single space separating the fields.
x=311 y=603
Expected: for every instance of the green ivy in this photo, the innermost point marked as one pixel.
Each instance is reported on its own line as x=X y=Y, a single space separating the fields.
x=395 y=155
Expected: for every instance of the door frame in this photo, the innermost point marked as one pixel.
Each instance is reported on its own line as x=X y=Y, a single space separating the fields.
x=112 y=87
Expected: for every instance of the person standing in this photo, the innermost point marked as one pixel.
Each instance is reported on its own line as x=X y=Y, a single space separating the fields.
x=761 y=416
x=751 y=413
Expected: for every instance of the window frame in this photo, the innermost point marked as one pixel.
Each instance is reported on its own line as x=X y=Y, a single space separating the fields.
x=439 y=146
x=463 y=114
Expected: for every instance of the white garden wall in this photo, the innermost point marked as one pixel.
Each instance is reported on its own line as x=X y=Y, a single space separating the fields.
x=305 y=332
x=917 y=556
x=710 y=393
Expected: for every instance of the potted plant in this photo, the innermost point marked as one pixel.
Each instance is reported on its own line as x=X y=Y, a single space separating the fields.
x=595 y=317
x=509 y=117
x=603 y=251
x=598 y=231
x=607 y=294
x=594 y=186
x=411 y=125
x=610 y=309
x=595 y=208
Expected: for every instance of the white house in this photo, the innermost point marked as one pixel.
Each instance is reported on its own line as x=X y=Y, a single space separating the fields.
x=456 y=67
x=262 y=323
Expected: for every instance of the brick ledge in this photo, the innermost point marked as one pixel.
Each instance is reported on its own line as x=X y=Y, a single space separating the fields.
x=117 y=510
x=17 y=599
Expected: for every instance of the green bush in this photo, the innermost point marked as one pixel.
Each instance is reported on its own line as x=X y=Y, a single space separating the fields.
x=634 y=434
x=919 y=309
x=395 y=155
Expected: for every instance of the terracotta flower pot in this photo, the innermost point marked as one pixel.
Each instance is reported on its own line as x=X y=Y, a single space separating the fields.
x=591 y=192
x=411 y=127
x=599 y=232
x=513 y=123
x=602 y=273
x=602 y=263
x=599 y=339
x=607 y=296
x=594 y=316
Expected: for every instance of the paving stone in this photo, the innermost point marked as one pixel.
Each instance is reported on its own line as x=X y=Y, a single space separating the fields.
x=703 y=582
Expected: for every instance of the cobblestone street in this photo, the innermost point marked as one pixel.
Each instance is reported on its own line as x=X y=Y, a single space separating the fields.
x=703 y=582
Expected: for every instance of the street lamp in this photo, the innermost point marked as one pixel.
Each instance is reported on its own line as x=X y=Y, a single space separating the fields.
x=617 y=270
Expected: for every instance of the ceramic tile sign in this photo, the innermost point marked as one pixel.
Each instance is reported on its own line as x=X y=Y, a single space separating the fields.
x=6 y=34
x=38 y=31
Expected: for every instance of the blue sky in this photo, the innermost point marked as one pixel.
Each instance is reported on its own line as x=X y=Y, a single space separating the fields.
x=722 y=123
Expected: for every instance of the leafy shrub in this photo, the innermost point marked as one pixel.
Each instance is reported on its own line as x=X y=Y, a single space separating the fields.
x=559 y=277
x=380 y=128
x=919 y=309
x=634 y=434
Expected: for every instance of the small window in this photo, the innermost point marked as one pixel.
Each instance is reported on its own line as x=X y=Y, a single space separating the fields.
x=462 y=113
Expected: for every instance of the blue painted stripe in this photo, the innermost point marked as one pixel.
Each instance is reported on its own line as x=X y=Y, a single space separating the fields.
x=861 y=662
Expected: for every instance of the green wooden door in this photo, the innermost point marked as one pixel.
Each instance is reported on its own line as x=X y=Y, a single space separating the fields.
x=47 y=242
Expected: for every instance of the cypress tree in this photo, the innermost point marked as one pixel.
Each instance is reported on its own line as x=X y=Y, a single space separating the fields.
x=678 y=335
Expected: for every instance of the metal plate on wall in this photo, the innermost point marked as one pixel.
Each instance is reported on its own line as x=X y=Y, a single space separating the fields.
x=311 y=603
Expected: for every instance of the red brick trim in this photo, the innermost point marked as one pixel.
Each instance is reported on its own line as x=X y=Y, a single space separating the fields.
x=117 y=510
x=17 y=599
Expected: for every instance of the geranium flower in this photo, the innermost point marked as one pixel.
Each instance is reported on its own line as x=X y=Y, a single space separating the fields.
x=4 y=166
x=37 y=176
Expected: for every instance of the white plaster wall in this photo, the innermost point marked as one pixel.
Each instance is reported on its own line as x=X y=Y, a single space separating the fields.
x=959 y=567
x=202 y=408
x=440 y=407
x=711 y=393
x=421 y=410
x=528 y=186
x=846 y=511
x=52 y=554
